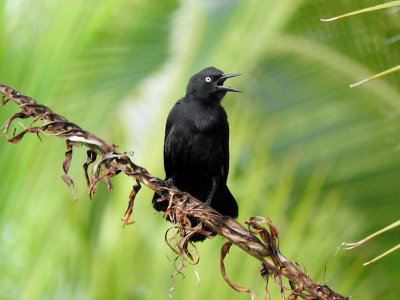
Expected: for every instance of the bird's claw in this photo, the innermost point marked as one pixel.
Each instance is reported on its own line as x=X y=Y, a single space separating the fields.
x=169 y=183
x=164 y=183
x=159 y=182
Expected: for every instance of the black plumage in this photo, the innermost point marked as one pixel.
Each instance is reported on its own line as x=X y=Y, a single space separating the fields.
x=196 y=145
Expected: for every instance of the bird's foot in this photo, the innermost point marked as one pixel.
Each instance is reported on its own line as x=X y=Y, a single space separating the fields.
x=159 y=182
x=169 y=183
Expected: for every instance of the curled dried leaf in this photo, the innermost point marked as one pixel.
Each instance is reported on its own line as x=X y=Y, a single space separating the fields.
x=292 y=297
x=17 y=138
x=70 y=183
x=224 y=251
x=7 y=123
x=4 y=100
x=91 y=158
x=129 y=210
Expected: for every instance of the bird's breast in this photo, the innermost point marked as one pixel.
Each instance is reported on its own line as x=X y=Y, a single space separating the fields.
x=209 y=120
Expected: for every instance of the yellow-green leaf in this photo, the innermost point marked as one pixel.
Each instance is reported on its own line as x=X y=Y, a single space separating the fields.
x=368 y=9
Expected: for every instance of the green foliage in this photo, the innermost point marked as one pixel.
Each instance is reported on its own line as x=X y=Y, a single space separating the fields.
x=320 y=159
x=365 y=10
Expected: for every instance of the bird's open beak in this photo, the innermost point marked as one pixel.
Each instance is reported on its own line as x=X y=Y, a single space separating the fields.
x=223 y=78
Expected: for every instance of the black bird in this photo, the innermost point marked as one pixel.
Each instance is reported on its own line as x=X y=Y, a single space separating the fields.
x=196 y=145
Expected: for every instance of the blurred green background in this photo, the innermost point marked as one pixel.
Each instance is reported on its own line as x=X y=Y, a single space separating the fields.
x=320 y=159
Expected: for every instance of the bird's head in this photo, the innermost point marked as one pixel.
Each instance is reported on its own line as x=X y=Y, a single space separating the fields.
x=208 y=85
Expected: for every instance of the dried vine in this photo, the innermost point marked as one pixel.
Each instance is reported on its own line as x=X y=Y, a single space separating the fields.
x=258 y=241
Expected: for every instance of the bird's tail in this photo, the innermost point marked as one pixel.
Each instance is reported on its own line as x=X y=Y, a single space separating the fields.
x=159 y=205
x=224 y=202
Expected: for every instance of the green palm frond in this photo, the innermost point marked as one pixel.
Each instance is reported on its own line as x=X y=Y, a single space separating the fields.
x=348 y=246
x=376 y=76
x=364 y=10
x=369 y=9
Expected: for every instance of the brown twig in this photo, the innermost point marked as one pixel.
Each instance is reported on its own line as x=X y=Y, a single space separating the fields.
x=257 y=240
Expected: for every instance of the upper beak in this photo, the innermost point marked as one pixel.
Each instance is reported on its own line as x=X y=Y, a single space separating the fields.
x=228 y=88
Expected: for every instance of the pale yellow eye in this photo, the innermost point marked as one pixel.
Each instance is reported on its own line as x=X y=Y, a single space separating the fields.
x=208 y=79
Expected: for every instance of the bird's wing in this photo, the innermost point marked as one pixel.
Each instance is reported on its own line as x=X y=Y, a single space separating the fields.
x=225 y=151
x=168 y=158
x=171 y=141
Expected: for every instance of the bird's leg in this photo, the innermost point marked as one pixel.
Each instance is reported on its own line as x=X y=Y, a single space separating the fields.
x=212 y=192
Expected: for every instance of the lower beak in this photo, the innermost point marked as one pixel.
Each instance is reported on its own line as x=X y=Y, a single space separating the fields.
x=228 y=88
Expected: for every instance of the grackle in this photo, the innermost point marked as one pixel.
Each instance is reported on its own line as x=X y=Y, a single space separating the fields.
x=196 y=145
